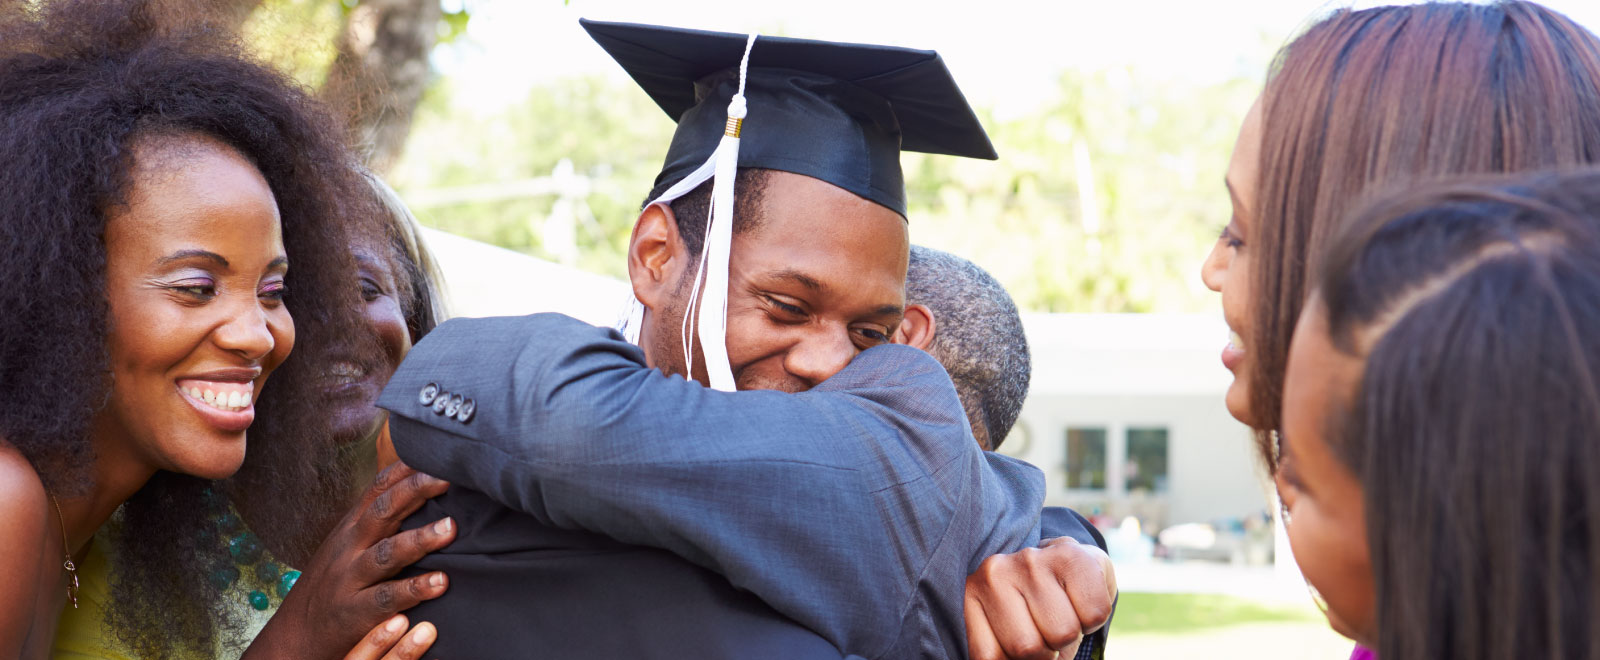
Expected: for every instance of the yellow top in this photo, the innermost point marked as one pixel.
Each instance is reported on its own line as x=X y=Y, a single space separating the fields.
x=83 y=634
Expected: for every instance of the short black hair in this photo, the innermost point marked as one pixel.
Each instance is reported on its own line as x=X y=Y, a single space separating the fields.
x=692 y=209
x=978 y=338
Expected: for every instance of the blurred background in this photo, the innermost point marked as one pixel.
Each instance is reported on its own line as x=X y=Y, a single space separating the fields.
x=529 y=151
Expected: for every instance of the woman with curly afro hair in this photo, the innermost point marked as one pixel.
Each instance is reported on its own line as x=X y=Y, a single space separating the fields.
x=176 y=222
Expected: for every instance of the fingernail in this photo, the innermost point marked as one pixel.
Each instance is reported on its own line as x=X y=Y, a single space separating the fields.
x=436 y=580
x=395 y=625
x=443 y=526
x=423 y=635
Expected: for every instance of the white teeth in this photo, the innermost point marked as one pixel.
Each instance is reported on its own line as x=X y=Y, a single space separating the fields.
x=231 y=401
x=1235 y=340
x=347 y=369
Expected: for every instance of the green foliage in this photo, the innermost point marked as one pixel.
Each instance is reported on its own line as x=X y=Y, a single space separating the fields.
x=1105 y=201
x=1152 y=153
x=611 y=133
x=300 y=36
x=453 y=24
x=297 y=35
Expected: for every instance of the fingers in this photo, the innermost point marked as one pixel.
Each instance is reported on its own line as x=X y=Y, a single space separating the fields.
x=1048 y=603
x=981 y=644
x=414 y=644
x=387 y=598
x=1037 y=602
x=382 y=637
x=382 y=515
x=386 y=479
x=388 y=556
x=1085 y=573
x=998 y=586
x=388 y=641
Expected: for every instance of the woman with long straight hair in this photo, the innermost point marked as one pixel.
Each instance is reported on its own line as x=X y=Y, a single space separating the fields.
x=1371 y=100
x=1438 y=450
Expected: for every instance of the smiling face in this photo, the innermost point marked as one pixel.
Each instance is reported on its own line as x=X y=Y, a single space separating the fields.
x=1227 y=269
x=1324 y=515
x=352 y=385
x=820 y=279
x=195 y=280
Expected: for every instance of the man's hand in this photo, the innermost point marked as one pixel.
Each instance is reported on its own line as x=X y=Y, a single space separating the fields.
x=346 y=591
x=386 y=642
x=1038 y=603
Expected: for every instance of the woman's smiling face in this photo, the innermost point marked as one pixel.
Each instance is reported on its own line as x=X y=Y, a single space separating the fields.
x=1227 y=269
x=195 y=270
x=352 y=384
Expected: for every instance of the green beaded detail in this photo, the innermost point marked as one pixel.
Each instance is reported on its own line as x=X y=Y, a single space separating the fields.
x=245 y=549
x=267 y=572
x=251 y=566
x=286 y=583
x=224 y=577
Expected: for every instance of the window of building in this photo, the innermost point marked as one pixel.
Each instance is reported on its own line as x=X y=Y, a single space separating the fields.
x=1086 y=458
x=1146 y=468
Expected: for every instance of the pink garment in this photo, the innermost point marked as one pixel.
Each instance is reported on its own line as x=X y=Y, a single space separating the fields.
x=1363 y=653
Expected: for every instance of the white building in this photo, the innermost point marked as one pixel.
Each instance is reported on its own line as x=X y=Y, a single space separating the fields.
x=1125 y=416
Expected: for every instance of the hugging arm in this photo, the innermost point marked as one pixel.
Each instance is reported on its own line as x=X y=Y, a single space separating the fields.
x=808 y=501
x=1040 y=601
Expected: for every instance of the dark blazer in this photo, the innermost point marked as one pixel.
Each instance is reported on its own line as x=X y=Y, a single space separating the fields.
x=855 y=510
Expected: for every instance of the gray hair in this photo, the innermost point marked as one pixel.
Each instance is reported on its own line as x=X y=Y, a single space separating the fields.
x=978 y=337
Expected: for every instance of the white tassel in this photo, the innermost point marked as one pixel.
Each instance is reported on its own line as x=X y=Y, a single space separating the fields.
x=713 y=306
x=630 y=319
x=709 y=305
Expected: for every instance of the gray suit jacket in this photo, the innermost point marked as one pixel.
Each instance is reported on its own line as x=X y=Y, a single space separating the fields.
x=856 y=509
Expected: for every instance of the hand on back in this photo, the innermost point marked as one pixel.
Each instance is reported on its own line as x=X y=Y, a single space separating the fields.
x=1038 y=603
x=345 y=600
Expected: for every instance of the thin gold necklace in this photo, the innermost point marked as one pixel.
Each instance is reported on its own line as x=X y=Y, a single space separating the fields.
x=72 y=569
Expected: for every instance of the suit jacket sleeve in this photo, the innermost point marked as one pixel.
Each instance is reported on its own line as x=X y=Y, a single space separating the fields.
x=842 y=507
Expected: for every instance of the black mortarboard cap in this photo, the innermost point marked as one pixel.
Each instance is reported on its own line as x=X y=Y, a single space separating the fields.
x=837 y=112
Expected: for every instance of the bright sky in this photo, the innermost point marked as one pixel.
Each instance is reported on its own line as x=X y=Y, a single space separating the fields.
x=1004 y=53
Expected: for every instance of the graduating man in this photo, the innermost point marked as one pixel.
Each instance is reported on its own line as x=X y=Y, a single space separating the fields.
x=837 y=502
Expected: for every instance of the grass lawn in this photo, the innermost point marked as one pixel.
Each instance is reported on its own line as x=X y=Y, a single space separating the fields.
x=1163 y=626
x=1180 y=613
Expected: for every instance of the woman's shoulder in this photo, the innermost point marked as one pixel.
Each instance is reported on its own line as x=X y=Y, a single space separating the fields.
x=24 y=523
x=23 y=500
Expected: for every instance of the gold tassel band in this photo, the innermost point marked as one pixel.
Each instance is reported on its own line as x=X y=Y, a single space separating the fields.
x=734 y=127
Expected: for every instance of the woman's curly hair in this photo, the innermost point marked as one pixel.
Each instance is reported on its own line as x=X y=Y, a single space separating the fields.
x=80 y=82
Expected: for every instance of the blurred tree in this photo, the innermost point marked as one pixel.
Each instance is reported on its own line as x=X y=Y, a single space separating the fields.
x=368 y=59
x=381 y=69
x=610 y=134
x=1104 y=201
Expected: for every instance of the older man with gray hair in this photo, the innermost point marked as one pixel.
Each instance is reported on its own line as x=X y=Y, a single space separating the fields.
x=976 y=333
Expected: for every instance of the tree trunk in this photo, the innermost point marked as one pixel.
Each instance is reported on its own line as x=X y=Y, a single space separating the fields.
x=380 y=72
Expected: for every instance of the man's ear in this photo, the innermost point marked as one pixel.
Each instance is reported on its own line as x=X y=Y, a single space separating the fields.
x=655 y=255
x=917 y=329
